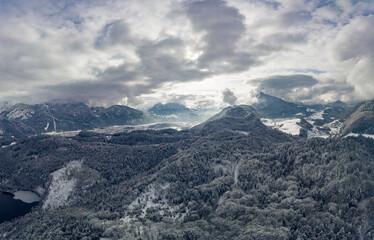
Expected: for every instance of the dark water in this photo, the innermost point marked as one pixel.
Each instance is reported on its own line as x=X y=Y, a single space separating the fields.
x=11 y=208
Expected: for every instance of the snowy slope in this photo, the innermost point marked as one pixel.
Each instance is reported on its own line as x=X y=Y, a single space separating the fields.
x=287 y=125
x=62 y=186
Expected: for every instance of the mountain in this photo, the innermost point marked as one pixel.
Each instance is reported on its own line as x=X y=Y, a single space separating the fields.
x=273 y=107
x=120 y=115
x=331 y=112
x=168 y=109
x=178 y=113
x=360 y=120
x=242 y=119
x=226 y=184
x=25 y=119
x=318 y=120
x=236 y=118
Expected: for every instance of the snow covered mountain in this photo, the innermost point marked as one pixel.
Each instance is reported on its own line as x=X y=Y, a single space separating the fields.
x=24 y=119
x=298 y=119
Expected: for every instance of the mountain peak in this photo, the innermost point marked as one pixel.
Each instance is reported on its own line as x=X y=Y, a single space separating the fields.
x=274 y=107
x=168 y=109
x=233 y=118
x=240 y=111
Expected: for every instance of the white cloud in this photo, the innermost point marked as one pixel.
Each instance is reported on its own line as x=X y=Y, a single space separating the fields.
x=107 y=52
x=353 y=53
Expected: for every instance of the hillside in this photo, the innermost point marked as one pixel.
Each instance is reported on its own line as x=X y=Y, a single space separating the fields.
x=246 y=181
x=361 y=120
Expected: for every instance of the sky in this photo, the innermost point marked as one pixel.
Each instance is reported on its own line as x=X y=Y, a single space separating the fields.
x=203 y=54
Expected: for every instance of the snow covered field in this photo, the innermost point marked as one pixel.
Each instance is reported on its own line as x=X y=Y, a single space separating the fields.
x=127 y=128
x=287 y=125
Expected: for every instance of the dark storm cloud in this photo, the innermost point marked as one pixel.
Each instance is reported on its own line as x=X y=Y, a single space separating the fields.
x=224 y=27
x=229 y=97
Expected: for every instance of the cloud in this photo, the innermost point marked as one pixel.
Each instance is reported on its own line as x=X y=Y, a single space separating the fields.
x=223 y=27
x=229 y=97
x=285 y=81
x=164 y=61
x=114 y=33
x=108 y=52
x=296 y=87
x=353 y=53
x=279 y=41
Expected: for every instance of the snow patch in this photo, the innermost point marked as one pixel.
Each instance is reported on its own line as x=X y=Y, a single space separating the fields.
x=62 y=186
x=243 y=132
x=46 y=128
x=371 y=136
x=334 y=126
x=20 y=112
x=13 y=143
x=316 y=133
x=316 y=116
x=63 y=134
x=287 y=125
x=26 y=196
x=153 y=197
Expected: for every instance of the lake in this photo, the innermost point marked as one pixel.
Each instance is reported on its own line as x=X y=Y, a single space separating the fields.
x=11 y=208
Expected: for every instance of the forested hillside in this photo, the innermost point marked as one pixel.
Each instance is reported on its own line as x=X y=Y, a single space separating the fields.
x=213 y=182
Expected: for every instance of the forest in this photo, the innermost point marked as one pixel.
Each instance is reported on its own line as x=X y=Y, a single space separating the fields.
x=195 y=184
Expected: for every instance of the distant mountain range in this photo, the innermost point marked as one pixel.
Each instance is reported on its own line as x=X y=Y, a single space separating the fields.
x=318 y=120
x=24 y=119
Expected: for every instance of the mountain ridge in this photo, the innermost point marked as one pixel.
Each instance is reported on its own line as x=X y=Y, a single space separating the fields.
x=66 y=116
